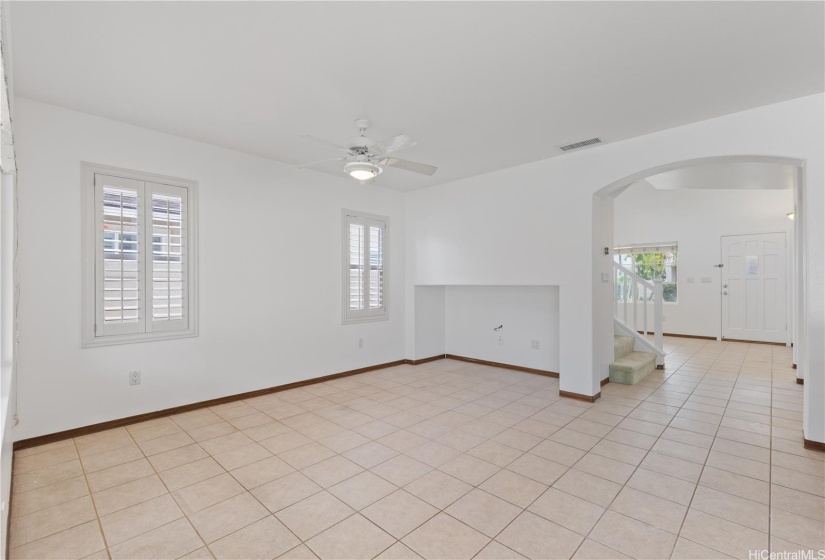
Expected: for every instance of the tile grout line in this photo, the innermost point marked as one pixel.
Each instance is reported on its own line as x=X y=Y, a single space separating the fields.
x=697 y=386
x=206 y=544
x=438 y=510
x=355 y=512
x=702 y=470
x=97 y=514
x=56 y=505
x=698 y=383
x=636 y=468
x=169 y=492
x=568 y=468
x=443 y=510
x=91 y=497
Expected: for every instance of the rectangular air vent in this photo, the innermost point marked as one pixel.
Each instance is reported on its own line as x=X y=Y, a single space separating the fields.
x=582 y=144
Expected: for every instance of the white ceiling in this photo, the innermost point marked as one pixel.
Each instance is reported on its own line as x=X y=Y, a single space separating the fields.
x=481 y=86
x=728 y=175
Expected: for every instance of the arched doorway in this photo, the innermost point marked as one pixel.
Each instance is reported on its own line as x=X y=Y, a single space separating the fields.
x=603 y=237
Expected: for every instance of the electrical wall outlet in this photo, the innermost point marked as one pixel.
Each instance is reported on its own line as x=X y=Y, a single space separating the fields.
x=706 y=280
x=360 y=343
x=134 y=377
x=500 y=340
x=535 y=344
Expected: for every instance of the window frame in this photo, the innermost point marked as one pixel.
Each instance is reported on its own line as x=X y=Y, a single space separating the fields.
x=91 y=296
x=654 y=248
x=349 y=316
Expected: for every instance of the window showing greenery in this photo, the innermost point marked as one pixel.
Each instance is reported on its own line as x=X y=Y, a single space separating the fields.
x=651 y=262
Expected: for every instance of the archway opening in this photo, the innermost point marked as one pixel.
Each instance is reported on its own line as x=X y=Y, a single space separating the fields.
x=689 y=180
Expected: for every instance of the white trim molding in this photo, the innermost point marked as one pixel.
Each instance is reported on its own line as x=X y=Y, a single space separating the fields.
x=91 y=298
x=369 y=222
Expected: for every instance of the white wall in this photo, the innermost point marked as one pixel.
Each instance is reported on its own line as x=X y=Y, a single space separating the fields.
x=527 y=313
x=7 y=277
x=270 y=275
x=7 y=382
x=602 y=288
x=533 y=224
x=697 y=219
x=430 y=324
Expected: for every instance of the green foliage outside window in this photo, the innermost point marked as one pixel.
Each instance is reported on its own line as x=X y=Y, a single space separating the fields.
x=650 y=266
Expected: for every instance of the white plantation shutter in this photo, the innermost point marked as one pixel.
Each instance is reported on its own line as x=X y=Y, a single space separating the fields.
x=119 y=262
x=376 y=265
x=166 y=251
x=357 y=248
x=139 y=285
x=364 y=267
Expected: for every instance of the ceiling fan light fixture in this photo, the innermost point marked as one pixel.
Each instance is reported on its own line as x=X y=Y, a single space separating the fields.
x=362 y=170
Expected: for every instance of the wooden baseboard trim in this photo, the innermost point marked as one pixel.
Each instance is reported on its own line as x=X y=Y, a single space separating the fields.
x=580 y=397
x=534 y=371
x=814 y=445
x=800 y=381
x=425 y=360
x=754 y=341
x=605 y=381
x=94 y=428
x=696 y=336
x=794 y=366
x=660 y=366
x=702 y=337
x=102 y=426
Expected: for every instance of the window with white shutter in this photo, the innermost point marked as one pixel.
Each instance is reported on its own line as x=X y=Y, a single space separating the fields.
x=139 y=256
x=119 y=266
x=365 y=273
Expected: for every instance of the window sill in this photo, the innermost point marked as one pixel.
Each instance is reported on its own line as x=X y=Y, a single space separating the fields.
x=135 y=338
x=368 y=319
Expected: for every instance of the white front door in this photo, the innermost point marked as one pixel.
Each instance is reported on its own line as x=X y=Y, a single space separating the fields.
x=753 y=287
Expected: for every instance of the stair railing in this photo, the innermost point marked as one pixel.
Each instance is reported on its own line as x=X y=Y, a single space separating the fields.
x=629 y=291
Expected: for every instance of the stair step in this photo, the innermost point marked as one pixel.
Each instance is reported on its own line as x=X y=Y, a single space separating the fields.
x=632 y=368
x=622 y=346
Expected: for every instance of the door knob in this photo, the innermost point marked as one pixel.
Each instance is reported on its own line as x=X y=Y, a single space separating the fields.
x=724 y=285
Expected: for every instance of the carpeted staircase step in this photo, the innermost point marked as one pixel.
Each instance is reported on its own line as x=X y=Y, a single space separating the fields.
x=622 y=346
x=632 y=368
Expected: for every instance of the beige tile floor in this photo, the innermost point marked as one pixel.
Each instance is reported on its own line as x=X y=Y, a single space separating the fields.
x=447 y=460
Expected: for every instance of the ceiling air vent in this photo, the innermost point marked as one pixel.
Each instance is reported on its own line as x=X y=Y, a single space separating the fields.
x=581 y=144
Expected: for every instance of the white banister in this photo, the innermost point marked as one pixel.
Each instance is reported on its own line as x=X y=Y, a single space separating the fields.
x=633 y=289
x=658 y=318
x=625 y=296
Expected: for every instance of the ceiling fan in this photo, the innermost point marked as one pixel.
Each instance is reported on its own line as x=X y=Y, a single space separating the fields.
x=366 y=158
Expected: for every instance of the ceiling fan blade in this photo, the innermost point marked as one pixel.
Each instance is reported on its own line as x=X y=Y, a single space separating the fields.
x=313 y=163
x=397 y=143
x=407 y=165
x=327 y=142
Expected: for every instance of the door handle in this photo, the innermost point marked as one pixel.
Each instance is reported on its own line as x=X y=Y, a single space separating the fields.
x=724 y=285
x=725 y=292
